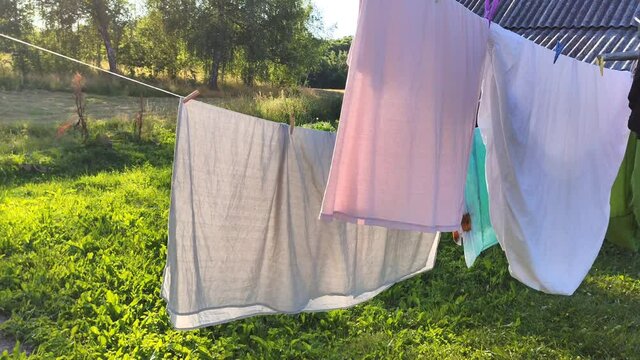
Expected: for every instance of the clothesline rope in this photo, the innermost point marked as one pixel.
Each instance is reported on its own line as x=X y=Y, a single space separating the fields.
x=89 y=65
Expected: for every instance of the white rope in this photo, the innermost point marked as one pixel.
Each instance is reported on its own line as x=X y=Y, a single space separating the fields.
x=89 y=65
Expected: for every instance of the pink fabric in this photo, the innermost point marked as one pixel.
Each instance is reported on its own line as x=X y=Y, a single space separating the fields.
x=408 y=116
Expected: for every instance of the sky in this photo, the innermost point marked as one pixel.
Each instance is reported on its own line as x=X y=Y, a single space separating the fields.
x=339 y=16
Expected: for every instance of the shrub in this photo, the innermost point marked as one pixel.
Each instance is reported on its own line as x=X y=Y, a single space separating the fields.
x=307 y=106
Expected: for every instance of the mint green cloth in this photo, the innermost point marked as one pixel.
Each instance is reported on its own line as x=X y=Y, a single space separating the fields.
x=624 y=229
x=481 y=236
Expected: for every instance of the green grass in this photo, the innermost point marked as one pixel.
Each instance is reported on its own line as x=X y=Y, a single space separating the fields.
x=82 y=249
x=40 y=106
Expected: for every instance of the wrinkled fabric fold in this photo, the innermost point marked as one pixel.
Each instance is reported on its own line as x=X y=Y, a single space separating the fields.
x=244 y=238
x=555 y=135
x=408 y=116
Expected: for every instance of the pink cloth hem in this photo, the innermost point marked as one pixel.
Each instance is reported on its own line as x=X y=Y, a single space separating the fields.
x=389 y=224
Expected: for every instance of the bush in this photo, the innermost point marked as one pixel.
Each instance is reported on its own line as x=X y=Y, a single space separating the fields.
x=307 y=106
x=322 y=126
x=332 y=71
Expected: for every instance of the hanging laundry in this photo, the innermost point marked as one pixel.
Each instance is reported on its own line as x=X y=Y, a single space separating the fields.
x=408 y=116
x=634 y=103
x=624 y=224
x=555 y=137
x=244 y=238
x=481 y=236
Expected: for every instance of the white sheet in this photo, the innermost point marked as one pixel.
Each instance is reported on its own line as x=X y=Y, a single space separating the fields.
x=244 y=238
x=555 y=135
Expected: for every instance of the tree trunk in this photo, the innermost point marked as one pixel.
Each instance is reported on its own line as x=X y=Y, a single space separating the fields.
x=215 y=70
x=249 y=75
x=98 y=55
x=111 y=53
x=102 y=21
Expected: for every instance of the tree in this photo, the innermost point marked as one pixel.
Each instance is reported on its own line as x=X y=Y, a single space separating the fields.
x=15 y=17
x=296 y=49
x=213 y=39
x=259 y=40
x=149 y=44
x=284 y=39
x=331 y=73
x=208 y=27
x=103 y=13
x=108 y=17
x=15 y=20
x=264 y=39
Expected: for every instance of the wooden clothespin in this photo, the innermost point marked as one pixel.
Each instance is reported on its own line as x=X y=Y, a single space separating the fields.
x=465 y=223
x=601 y=65
x=191 y=96
x=292 y=123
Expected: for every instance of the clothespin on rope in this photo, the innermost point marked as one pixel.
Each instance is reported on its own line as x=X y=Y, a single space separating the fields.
x=619 y=56
x=191 y=96
x=558 y=49
x=491 y=9
x=600 y=62
x=292 y=123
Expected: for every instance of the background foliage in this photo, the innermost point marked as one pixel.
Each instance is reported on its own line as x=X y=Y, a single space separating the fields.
x=277 y=42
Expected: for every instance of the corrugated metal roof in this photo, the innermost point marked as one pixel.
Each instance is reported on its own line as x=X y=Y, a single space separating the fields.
x=586 y=44
x=587 y=28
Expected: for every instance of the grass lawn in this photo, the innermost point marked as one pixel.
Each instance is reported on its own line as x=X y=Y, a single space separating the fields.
x=82 y=250
x=39 y=106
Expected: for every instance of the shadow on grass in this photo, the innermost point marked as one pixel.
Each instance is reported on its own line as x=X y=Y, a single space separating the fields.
x=489 y=309
x=33 y=155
